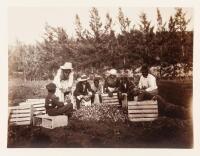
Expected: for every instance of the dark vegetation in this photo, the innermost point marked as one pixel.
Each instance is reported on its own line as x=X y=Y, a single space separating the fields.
x=100 y=47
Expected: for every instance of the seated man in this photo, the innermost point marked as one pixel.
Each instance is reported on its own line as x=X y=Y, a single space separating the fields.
x=83 y=91
x=147 y=85
x=52 y=104
x=126 y=86
x=97 y=90
x=112 y=83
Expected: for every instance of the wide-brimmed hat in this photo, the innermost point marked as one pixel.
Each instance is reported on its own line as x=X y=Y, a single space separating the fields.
x=67 y=65
x=83 y=78
x=97 y=77
x=51 y=86
x=113 y=72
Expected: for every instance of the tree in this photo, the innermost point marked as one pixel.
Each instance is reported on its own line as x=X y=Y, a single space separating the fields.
x=181 y=26
x=78 y=27
x=123 y=21
x=148 y=38
x=95 y=23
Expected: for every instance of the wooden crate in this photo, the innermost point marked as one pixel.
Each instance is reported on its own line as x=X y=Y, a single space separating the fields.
x=37 y=106
x=139 y=111
x=19 y=115
x=110 y=100
x=38 y=109
x=50 y=122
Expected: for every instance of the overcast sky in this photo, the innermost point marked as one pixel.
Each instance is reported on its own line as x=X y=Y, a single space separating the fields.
x=27 y=23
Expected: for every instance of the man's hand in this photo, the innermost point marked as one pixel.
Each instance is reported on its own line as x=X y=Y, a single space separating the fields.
x=154 y=98
x=80 y=97
x=142 y=91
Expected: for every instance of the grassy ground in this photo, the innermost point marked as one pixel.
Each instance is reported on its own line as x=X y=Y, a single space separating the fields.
x=99 y=126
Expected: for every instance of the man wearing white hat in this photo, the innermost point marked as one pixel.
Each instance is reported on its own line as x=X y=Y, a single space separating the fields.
x=83 y=91
x=112 y=83
x=64 y=81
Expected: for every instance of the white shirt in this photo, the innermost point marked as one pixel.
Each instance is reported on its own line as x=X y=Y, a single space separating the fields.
x=149 y=83
x=65 y=85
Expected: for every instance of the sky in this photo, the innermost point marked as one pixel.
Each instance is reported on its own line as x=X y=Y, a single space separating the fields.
x=27 y=24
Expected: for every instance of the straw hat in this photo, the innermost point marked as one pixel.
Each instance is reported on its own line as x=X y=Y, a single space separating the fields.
x=67 y=65
x=83 y=78
x=113 y=72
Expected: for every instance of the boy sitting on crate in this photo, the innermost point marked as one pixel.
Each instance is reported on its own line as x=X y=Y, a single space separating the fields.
x=52 y=104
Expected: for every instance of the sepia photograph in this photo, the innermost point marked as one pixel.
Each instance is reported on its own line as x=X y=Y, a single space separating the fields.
x=100 y=77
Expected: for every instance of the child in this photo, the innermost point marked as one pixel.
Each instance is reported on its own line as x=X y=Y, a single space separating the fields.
x=97 y=91
x=52 y=104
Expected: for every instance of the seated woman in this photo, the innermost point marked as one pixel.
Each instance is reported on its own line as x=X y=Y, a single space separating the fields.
x=52 y=104
x=147 y=85
x=83 y=91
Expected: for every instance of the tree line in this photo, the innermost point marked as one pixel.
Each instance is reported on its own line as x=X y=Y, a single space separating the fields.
x=100 y=47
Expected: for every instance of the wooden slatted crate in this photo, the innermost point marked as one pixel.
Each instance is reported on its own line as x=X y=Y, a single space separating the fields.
x=19 y=115
x=50 y=122
x=139 y=111
x=37 y=107
x=110 y=100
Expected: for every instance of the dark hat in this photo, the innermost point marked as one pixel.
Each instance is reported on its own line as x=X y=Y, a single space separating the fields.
x=145 y=68
x=51 y=86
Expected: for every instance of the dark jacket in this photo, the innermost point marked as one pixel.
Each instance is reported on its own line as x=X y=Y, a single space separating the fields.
x=52 y=102
x=125 y=85
x=111 y=82
x=82 y=91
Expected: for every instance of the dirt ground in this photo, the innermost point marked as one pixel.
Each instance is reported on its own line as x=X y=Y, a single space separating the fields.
x=107 y=129
x=161 y=133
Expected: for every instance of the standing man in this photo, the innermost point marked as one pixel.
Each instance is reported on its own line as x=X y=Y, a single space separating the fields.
x=64 y=81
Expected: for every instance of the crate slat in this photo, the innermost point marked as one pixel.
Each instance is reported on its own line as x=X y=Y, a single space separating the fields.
x=33 y=100
x=20 y=119
x=39 y=108
x=150 y=111
x=20 y=123
x=19 y=107
x=143 y=115
x=39 y=112
x=18 y=111
x=39 y=105
x=110 y=100
x=141 y=119
x=112 y=103
x=146 y=102
x=142 y=107
x=20 y=115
